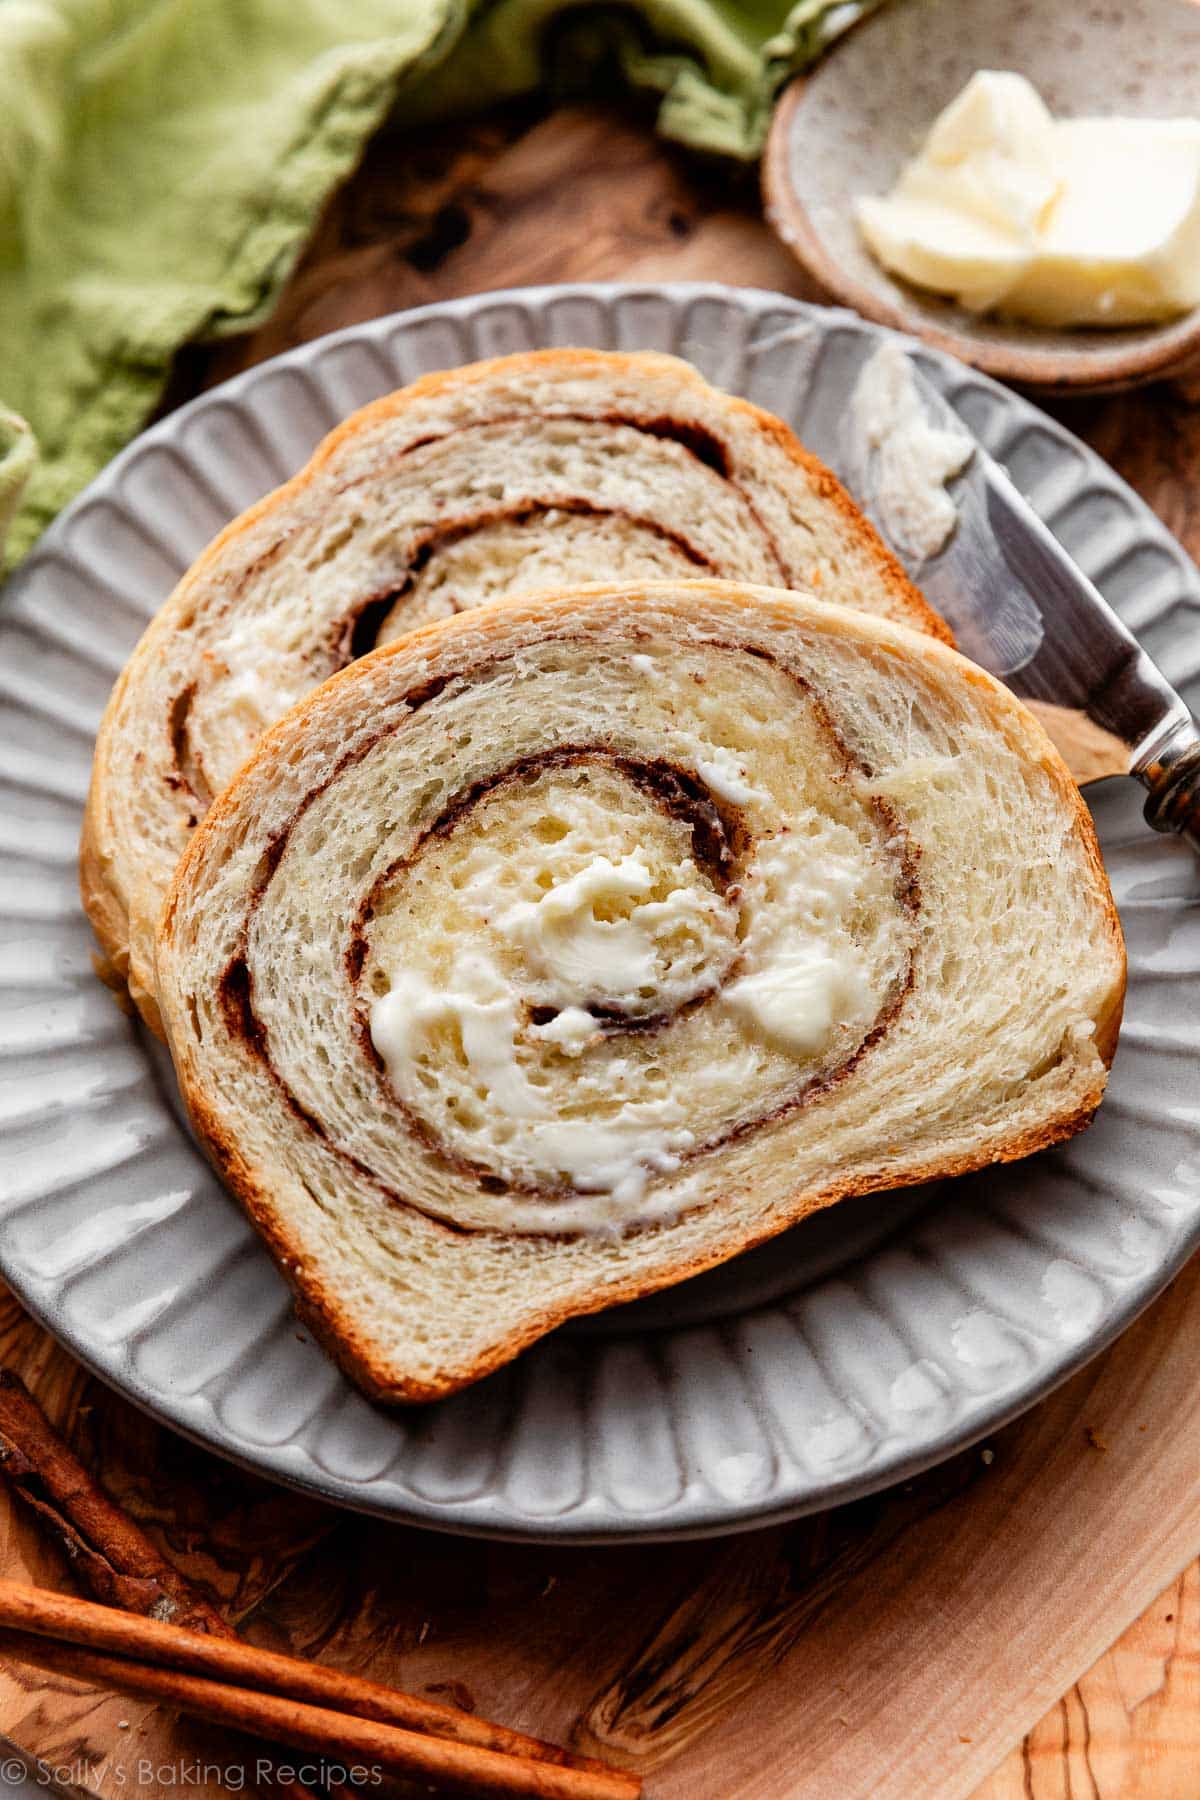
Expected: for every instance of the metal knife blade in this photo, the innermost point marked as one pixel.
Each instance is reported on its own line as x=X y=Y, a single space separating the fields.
x=1022 y=608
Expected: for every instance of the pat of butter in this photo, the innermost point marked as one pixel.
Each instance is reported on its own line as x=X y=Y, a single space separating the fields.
x=1122 y=243
x=965 y=212
x=802 y=972
x=1075 y=222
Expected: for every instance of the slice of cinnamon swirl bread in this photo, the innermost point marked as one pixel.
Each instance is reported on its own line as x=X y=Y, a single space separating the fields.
x=528 y=472
x=573 y=944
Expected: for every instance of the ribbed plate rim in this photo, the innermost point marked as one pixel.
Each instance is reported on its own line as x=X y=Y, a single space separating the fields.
x=196 y=1419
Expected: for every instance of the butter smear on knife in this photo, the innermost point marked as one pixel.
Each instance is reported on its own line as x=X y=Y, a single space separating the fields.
x=1057 y=222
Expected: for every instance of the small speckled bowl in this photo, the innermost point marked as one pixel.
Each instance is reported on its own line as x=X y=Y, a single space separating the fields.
x=848 y=129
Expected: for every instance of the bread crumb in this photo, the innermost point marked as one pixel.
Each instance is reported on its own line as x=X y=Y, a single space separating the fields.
x=987 y=1458
x=963 y=1739
x=1094 y=1439
x=122 y=1724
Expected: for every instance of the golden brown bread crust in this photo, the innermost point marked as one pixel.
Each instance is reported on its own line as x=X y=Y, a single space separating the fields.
x=320 y=1304
x=106 y=906
x=908 y=597
x=102 y=902
x=920 y=615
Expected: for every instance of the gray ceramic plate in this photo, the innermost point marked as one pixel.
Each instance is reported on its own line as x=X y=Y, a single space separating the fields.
x=862 y=1346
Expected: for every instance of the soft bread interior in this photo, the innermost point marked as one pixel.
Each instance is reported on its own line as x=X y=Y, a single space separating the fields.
x=590 y=841
x=533 y=472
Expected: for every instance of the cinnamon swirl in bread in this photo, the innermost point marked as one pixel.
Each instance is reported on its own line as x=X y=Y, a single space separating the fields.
x=573 y=944
x=529 y=472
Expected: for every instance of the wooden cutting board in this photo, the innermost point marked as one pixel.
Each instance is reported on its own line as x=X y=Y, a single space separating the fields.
x=895 y=1649
x=909 y=1647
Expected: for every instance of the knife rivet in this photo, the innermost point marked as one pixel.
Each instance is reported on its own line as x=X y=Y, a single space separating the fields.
x=1174 y=782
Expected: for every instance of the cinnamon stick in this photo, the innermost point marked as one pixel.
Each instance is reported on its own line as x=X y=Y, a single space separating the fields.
x=107 y=1550
x=465 y=1768
x=61 y=1616
x=115 y=1559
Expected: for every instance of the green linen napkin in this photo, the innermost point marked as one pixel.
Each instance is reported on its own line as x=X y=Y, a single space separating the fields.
x=162 y=162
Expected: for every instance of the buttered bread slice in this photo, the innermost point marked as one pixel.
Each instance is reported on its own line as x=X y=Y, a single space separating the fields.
x=525 y=473
x=573 y=944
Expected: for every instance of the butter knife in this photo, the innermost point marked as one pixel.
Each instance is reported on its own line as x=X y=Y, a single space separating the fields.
x=1022 y=608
